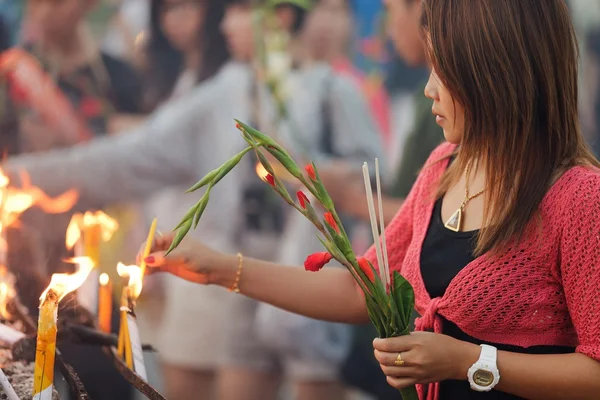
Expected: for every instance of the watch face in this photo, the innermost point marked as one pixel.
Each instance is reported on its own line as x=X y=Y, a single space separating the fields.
x=483 y=378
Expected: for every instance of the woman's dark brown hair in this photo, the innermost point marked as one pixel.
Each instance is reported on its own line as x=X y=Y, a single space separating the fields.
x=512 y=65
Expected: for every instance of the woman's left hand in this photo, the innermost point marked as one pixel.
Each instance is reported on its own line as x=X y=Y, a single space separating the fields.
x=428 y=357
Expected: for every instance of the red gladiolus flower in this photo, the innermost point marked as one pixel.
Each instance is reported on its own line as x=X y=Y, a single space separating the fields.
x=269 y=178
x=331 y=221
x=310 y=170
x=315 y=262
x=366 y=268
x=302 y=199
x=238 y=126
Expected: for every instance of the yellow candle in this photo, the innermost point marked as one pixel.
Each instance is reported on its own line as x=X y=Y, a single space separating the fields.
x=130 y=345
x=60 y=286
x=105 y=303
x=91 y=242
x=148 y=247
x=124 y=341
x=45 y=350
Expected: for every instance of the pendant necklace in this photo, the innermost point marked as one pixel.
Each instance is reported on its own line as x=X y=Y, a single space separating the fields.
x=454 y=223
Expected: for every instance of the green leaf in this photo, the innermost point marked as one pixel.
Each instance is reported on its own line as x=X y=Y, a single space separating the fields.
x=311 y=214
x=409 y=393
x=216 y=175
x=185 y=228
x=286 y=160
x=342 y=244
x=204 y=181
x=201 y=207
x=324 y=197
x=229 y=165
x=188 y=215
x=330 y=248
x=265 y=163
x=404 y=297
x=260 y=137
x=375 y=316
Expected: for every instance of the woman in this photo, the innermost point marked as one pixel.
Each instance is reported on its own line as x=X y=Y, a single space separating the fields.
x=328 y=34
x=520 y=276
x=178 y=53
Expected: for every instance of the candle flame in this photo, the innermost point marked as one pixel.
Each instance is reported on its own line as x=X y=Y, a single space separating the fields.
x=104 y=279
x=16 y=201
x=261 y=171
x=7 y=291
x=63 y=284
x=135 y=278
x=106 y=225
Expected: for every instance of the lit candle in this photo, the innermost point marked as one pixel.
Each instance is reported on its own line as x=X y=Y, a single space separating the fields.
x=84 y=235
x=130 y=344
x=60 y=286
x=105 y=303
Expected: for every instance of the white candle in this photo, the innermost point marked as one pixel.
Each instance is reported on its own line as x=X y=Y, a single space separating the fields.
x=7 y=387
x=10 y=335
x=373 y=219
x=136 y=347
x=87 y=294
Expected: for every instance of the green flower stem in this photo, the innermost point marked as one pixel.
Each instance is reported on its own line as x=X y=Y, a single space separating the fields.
x=409 y=393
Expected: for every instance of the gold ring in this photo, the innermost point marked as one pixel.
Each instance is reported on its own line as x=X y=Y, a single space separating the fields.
x=399 y=361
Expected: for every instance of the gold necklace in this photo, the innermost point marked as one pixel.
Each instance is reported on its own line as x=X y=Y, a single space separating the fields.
x=454 y=223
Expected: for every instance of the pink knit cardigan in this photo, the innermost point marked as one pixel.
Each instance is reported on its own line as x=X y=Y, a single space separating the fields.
x=543 y=291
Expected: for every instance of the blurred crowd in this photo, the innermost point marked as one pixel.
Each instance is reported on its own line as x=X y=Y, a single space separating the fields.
x=155 y=85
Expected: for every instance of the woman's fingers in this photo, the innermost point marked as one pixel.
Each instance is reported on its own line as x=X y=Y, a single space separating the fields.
x=401 y=383
x=159 y=243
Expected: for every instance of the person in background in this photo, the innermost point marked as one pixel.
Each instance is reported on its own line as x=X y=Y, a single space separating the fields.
x=97 y=87
x=184 y=49
x=328 y=120
x=328 y=37
x=127 y=30
x=498 y=236
x=344 y=185
x=189 y=134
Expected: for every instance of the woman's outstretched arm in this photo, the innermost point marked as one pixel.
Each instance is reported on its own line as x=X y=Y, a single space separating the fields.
x=330 y=294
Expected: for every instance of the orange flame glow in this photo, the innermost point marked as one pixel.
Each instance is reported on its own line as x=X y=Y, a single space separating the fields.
x=15 y=201
x=7 y=291
x=79 y=222
x=135 y=278
x=63 y=284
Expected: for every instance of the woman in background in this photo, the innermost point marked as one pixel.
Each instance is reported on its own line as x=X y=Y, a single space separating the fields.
x=328 y=36
x=124 y=168
x=185 y=48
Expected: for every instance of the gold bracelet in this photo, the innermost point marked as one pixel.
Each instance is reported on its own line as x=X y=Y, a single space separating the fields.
x=236 y=285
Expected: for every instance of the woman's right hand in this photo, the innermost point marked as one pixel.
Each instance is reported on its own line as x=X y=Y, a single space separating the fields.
x=191 y=260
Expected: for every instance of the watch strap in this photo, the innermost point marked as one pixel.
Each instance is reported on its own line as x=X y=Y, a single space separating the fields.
x=489 y=354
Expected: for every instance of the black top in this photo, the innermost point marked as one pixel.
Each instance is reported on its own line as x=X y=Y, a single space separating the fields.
x=443 y=255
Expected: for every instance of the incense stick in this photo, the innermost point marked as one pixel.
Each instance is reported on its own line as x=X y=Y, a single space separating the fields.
x=373 y=220
x=381 y=221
